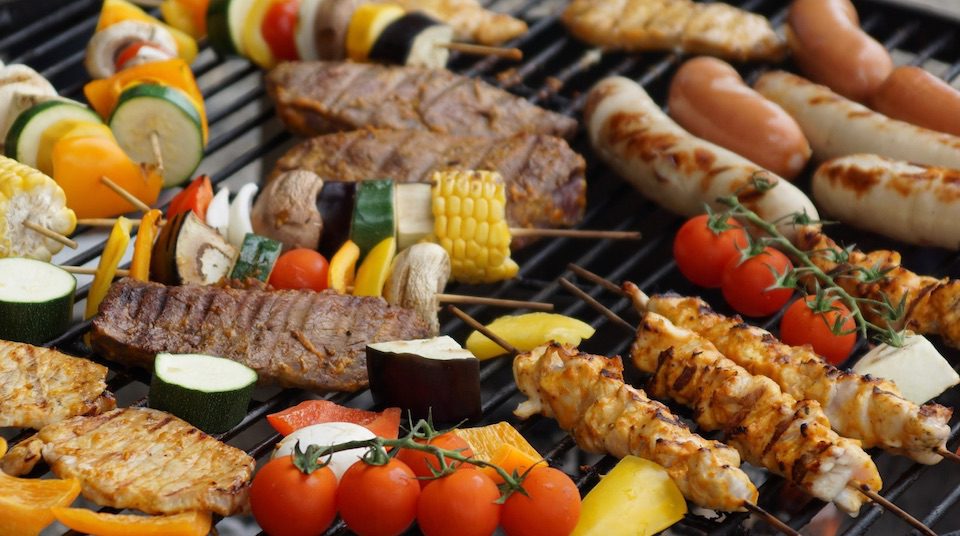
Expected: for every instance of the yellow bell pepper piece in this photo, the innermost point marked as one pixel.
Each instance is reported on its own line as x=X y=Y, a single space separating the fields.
x=3 y=447
x=102 y=524
x=636 y=498
x=500 y=444
x=115 y=11
x=342 y=269
x=528 y=331
x=375 y=269
x=26 y=503
x=109 y=261
x=188 y=16
x=146 y=234
x=255 y=46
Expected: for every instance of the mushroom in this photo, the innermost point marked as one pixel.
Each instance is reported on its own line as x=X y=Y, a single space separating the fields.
x=287 y=210
x=102 y=51
x=20 y=88
x=419 y=273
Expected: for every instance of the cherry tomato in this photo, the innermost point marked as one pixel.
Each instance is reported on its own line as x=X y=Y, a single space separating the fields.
x=287 y=502
x=745 y=283
x=701 y=253
x=300 y=268
x=550 y=508
x=460 y=504
x=279 y=24
x=417 y=460
x=378 y=500
x=802 y=325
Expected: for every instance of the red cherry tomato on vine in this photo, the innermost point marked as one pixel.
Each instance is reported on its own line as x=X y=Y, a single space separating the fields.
x=550 y=508
x=460 y=504
x=300 y=269
x=745 y=283
x=418 y=460
x=702 y=253
x=279 y=24
x=287 y=502
x=802 y=325
x=378 y=500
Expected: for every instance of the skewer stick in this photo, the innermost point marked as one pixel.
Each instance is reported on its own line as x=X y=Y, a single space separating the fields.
x=140 y=205
x=952 y=456
x=595 y=278
x=496 y=302
x=157 y=153
x=599 y=307
x=481 y=50
x=771 y=519
x=84 y=270
x=472 y=322
x=896 y=510
x=53 y=235
x=520 y=232
x=103 y=222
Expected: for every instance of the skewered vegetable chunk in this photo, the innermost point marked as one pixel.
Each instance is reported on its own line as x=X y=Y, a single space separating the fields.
x=109 y=262
x=27 y=194
x=373 y=272
x=104 y=524
x=366 y=25
x=526 y=332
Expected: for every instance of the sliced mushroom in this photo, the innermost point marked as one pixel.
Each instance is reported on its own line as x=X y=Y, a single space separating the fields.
x=106 y=44
x=287 y=210
x=419 y=273
x=15 y=99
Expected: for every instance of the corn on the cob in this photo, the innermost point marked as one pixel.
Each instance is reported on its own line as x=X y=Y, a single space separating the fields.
x=469 y=211
x=27 y=194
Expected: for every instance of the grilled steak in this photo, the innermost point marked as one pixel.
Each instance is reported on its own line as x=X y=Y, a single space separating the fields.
x=40 y=386
x=544 y=177
x=141 y=458
x=321 y=97
x=312 y=340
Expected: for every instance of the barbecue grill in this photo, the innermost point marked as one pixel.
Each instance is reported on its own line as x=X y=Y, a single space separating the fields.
x=246 y=138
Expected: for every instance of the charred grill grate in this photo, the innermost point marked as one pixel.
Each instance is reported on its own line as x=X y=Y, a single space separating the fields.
x=246 y=139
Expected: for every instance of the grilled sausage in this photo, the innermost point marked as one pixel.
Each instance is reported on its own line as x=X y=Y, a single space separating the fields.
x=710 y=100
x=671 y=166
x=908 y=202
x=829 y=46
x=913 y=95
x=836 y=126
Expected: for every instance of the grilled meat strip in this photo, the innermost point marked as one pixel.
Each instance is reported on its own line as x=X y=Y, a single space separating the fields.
x=932 y=305
x=141 y=458
x=311 y=340
x=869 y=409
x=321 y=97
x=470 y=20
x=770 y=428
x=39 y=386
x=716 y=29
x=587 y=396
x=544 y=177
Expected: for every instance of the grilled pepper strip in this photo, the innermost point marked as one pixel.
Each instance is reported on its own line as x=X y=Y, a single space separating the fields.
x=342 y=268
x=107 y=269
x=196 y=197
x=149 y=227
x=374 y=270
x=104 y=524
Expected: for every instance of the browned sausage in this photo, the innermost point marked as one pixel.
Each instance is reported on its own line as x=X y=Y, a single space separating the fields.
x=913 y=95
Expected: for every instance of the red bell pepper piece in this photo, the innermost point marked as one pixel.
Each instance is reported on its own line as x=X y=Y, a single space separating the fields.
x=385 y=423
x=195 y=197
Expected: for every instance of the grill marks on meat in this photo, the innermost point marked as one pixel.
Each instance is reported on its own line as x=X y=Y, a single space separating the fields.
x=544 y=178
x=587 y=396
x=770 y=428
x=144 y=459
x=321 y=97
x=300 y=339
x=39 y=386
x=869 y=409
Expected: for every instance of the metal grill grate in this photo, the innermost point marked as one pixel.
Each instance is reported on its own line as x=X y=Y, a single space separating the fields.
x=246 y=139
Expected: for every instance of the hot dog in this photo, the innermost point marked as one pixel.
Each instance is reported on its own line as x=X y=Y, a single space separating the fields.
x=913 y=95
x=908 y=202
x=671 y=166
x=710 y=100
x=829 y=46
x=836 y=126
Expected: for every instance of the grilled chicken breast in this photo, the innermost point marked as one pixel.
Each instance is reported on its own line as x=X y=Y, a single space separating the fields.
x=470 y=20
x=39 y=386
x=141 y=458
x=322 y=97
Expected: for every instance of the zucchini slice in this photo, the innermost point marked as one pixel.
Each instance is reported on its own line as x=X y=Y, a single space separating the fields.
x=373 y=214
x=258 y=256
x=23 y=142
x=36 y=300
x=146 y=109
x=211 y=393
x=225 y=23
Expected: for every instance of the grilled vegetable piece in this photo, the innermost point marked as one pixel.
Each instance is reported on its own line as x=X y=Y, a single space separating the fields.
x=335 y=204
x=241 y=222
x=118 y=11
x=110 y=259
x=920 y=374
x=322 y=335
x=196 y=197
x=414 y=39
x=528 y=331
x=312 y=99
x=309 y=412
x=218 y=212
x=27 y=194
x=375 y=268
x=342 y=269
x=37 y=128
x=225 y=21
x=201 y=254
x=39 y=386
x=36 y=300
x=189 y=470
x=470 y=19
x=143 y=247
x=256 y=259
x=502 y=445
x=373 y=214
x=25 y=503
x=587 y=396
x=108 y=43
x=163 y=257
x=366 y=25
x=20 y=88
x=418 y=274
x=105 y=524
x=414 y=213
x=255 y=47
x=208 y=392
x=406 y=374
x=715 y=29
x=287 y=211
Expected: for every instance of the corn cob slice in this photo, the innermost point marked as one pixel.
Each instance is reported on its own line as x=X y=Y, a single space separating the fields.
x=27 y=194
x=469 y=211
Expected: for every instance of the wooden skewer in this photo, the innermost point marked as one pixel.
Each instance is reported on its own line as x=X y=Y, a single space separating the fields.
x=157 y=153
x=140 y=205
x=103 y=222
x=53 y=235
x=952 y=456
x=482 y=50
x=771 y=519
x=595 y=278
x=896 y=510
x=520 y=232
x=602 y=309
x=496 y=302
x=84 y=270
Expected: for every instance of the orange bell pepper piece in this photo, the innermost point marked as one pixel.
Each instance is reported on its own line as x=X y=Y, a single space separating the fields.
x=189 y=16
x=511 y=459
x=25 y=503
x=102 y=524
x=343 y=266
x=196 y=197
x=143 y=247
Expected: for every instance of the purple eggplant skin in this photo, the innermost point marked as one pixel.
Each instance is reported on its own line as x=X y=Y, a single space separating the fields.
x=335 y=203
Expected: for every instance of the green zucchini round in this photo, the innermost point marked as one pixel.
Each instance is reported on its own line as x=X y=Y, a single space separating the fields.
x=23 y=138
x=36 y=300
x=373 y=214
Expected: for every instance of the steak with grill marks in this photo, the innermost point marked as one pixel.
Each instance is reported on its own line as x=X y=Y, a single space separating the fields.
x=295 y=338
x=321 y=97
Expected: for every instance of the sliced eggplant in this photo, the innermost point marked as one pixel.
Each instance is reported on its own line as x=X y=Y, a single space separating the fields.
x=286 y=210
x=414 y=39
x=163 y=261
x=202 y=255
x=406 y=374
x=335 y=203
x=106 y=45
